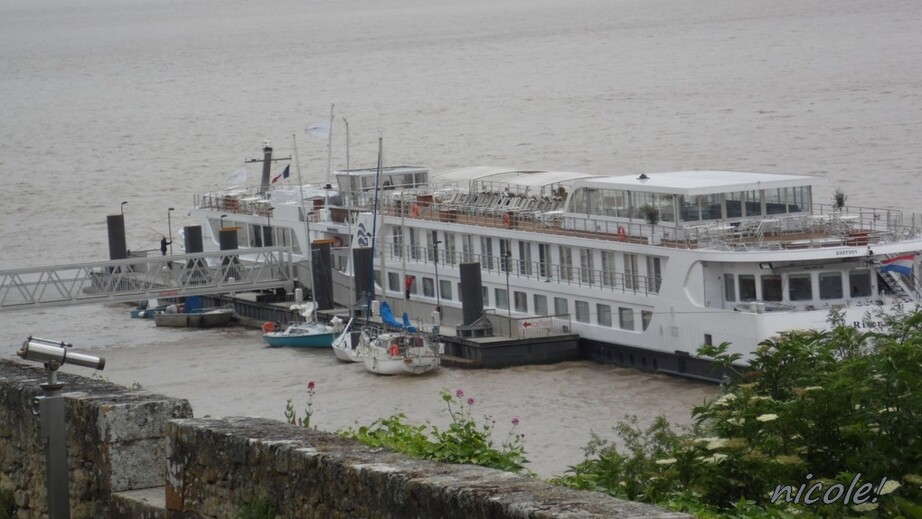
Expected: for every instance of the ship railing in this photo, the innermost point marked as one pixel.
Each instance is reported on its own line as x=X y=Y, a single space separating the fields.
x=528 y=327
x=517 y=268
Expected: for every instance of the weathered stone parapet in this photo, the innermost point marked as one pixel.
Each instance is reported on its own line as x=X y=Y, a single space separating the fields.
x=217 y=466
x=115 y=439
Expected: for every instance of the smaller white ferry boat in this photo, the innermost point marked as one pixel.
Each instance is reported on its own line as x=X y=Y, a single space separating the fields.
x=645 y=268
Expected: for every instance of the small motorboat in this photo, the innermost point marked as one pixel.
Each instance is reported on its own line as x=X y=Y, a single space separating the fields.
x=301 y=335
x=201 y=318
x=346 y=344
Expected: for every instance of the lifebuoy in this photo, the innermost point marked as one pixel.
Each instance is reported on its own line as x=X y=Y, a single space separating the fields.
x=268 y=327
x=622 y=234
x=415 y=210
x=394 y=350
x=337 y=241
x=507 y=219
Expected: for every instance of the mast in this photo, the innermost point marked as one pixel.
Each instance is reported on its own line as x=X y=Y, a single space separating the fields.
x=307 y=225
x=374 y=228
x=330 y=144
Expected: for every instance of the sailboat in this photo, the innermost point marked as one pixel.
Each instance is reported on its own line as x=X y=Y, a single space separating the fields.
x=406 y=351
x=308 y=334
x=346 y=344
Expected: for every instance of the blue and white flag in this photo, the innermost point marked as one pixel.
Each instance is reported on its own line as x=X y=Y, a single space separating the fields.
x=238 y=177
x=899 y=264
x=318 y=130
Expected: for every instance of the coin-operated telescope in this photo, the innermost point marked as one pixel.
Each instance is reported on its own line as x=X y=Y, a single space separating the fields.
x=54 y=354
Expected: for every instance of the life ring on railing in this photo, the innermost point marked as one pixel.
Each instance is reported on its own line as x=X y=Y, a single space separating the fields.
x=337 y=242
x=622 y=234
x=394 y=350
x=507 y=219
x=415 y=210
x=268 y=327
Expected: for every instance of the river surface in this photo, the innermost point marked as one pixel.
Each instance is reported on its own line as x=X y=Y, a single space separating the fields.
x=151 y=101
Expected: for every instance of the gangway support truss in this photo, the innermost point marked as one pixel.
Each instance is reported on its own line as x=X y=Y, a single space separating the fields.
x=139 y=278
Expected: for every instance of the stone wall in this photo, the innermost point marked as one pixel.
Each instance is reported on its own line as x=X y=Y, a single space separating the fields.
x=132 y=454
x=115 y=439
x=218 y=467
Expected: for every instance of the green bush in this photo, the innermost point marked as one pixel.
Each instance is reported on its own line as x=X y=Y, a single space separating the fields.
x=837 y=407
x=464 y=441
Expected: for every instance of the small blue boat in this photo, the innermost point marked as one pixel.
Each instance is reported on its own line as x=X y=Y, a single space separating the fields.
x=302 y=335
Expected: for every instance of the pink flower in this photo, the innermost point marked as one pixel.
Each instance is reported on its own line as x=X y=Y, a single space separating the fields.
x=515 y=421
x=310 y=385
x=470 y=401
x=459 y=393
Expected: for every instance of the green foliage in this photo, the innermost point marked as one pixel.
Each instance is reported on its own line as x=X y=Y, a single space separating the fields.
x=649 y=213
x=464 y=441
x=830 y=404
x=258 y=508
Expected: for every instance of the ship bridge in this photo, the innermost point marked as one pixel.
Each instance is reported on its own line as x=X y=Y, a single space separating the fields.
x=135 y=279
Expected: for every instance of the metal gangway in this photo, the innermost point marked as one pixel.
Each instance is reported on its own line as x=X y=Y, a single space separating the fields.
x=150 y=277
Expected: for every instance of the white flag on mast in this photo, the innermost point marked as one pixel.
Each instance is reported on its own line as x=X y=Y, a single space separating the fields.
x=238 y=177
x=318 y=130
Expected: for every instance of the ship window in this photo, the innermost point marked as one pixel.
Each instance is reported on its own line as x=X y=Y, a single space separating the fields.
x=771 y=287
x=540 y=304
x=521 y=301
x=609 y=275
x=830 y=285
x=860 y=282
x=561 y=307
x=566 y=263
x=710 y=207
x=428 y=287
x=604 y=312
x=626 y=318
x=485 y=295
x=393 y=281
x=747 y=287
x=800 y=287
x=502 y=298
x=729 y=287
x=414 y=286
x=582 y=312
x=445 y=289
x=689 y=208
x=645 y=317
x=585 y=266
x=525 y=268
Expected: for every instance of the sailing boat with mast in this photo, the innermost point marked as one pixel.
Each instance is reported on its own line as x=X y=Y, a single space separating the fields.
x=401 y=348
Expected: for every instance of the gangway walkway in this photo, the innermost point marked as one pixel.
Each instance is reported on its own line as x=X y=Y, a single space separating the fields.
x=135 y=279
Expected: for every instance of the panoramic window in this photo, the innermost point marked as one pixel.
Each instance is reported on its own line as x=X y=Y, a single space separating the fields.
x=830 y=285
x=582 y=311
x=540 y=304
x=860 y=282
x=747 y=287
x=604 y=312
x=645 y=317
x=560 y=306
x=800 y=287
x=626 y=318
x=445 y=289
x=771 y=287
x=502 y=298
x=428 y=287
x=521 y=301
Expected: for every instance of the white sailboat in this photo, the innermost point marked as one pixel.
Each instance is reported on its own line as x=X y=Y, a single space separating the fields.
x=346 y=345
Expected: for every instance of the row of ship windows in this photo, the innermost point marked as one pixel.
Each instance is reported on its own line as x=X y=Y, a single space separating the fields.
x=800 y=286
x=604 y=315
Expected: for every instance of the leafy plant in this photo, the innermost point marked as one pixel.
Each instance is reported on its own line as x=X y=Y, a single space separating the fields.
x=291 y=414
x=837 y=405
x=463 y=441
x=7 y=504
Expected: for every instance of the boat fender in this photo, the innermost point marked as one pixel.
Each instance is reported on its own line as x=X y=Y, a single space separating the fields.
x=394 y=350
x=415 y=210
x=622 y=234
x=268 y=327
x=337 y=242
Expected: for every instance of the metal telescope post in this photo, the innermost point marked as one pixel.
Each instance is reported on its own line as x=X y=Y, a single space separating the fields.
x=52 y=414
